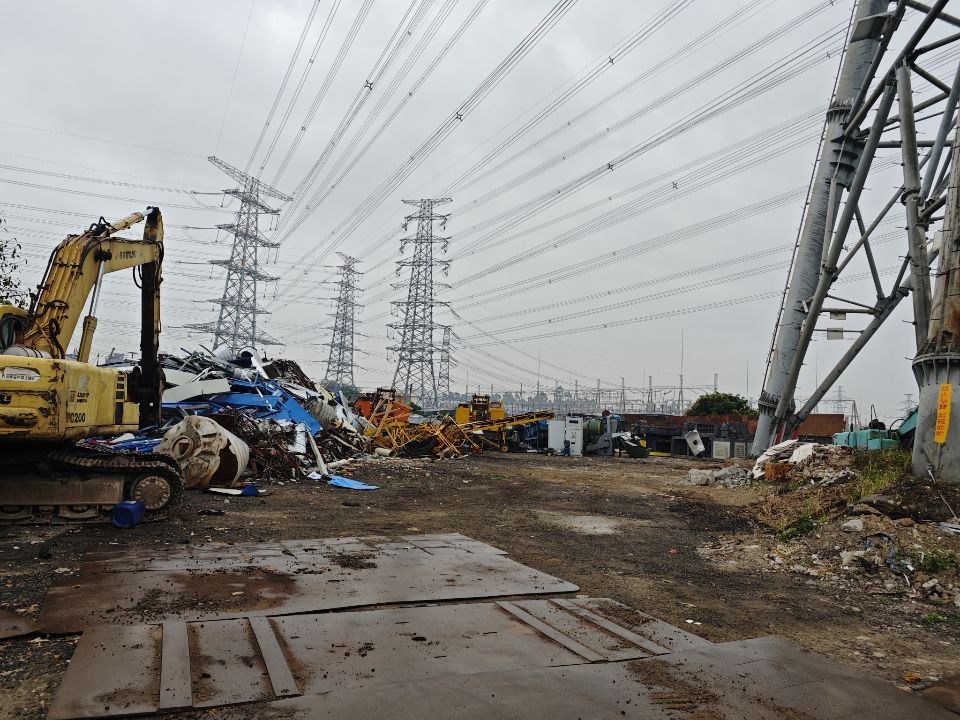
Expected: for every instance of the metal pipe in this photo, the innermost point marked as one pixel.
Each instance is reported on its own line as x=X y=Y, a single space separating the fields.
x=930 y=78
x=921 y=106
x=837 y=160
x=860 y=112
x=889 y=305
x=916 y=231
x=828 y=272
x=936 y=44
x=926 y=8
x=946 y=122
x=892 y=24
x=891 y=144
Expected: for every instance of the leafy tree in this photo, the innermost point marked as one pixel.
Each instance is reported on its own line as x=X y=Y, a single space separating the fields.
x=719 y=403
x=10 y=262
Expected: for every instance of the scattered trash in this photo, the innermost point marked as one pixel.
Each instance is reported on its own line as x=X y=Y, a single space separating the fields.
x=852 y=525
x=247 y=491
x=777 y=452
x=342 y=482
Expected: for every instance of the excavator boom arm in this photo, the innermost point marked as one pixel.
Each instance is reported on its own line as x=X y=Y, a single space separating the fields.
x=75 y=269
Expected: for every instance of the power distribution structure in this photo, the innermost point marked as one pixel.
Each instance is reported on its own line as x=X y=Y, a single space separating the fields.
x=883 y=59
x=415 y=374
x=446 y=360
x=236 y=325
x=340 y=361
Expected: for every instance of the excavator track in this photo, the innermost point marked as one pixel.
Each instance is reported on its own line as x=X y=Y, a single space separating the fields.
x=82 y=484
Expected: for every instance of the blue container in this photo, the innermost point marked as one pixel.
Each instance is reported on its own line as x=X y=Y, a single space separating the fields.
x=127 y=514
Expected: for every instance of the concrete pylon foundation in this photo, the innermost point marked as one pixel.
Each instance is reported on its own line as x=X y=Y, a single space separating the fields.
x=936 y=446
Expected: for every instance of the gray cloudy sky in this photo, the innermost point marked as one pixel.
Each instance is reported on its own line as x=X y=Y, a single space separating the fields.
x=135 y=93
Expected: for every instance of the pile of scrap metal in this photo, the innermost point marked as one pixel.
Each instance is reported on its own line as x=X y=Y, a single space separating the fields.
x=390 y=425
x=388 y=422
x=228 y=419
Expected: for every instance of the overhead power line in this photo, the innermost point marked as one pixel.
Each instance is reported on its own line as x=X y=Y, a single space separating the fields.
x=350 y=224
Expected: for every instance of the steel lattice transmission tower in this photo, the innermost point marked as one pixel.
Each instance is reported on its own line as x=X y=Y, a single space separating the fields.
x=875 y=109
x=446 y=360
x=415 y=374
x=236 y=325
x=340 y=362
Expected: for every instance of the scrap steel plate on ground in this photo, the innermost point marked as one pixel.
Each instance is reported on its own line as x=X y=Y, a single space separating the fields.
x=530 y=659
x=131 y=669
x=219 y=581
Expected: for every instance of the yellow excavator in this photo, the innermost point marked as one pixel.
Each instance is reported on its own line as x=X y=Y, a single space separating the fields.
x=49 y=401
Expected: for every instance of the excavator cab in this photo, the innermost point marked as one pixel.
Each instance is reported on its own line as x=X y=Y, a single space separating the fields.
x=13 y=322
x=49 y=400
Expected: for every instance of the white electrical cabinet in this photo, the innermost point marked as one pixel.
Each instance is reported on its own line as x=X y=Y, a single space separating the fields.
x=555 y=434
x=574 y=433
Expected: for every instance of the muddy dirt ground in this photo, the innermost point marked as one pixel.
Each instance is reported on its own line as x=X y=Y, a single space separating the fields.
x=619 y=528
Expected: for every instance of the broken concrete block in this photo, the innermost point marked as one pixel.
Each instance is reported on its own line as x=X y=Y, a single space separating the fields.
x=852 y=525
x=732 y=476
x=700 y=477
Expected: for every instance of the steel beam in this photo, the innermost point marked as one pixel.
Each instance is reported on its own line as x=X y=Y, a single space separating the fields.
x=860 y=111
x=916 y=230
x=829 y=271
x=885 y=309
x=839 y=156
x=946 y=122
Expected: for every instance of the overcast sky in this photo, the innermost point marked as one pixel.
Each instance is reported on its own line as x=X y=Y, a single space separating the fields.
x=140 y=93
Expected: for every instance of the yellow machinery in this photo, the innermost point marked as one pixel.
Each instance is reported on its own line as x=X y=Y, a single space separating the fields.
x=48 y=402
x=480 y=407
x=494 y=432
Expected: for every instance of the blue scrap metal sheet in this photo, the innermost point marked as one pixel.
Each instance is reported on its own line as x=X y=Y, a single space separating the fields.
x=264 y=399
x=342 y=482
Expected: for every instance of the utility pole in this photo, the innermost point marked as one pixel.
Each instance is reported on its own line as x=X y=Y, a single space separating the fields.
x=236 y=325
x=860 y=114
x=340 y=362
x=415 y=376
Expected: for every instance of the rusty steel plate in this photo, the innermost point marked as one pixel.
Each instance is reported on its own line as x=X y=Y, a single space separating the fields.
x=216 y=663
x=14 y=625
x=219 y=581
x=530 y=659
x=765 y=679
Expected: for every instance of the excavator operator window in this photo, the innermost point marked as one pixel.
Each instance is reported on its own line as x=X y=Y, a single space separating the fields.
x=9 y=326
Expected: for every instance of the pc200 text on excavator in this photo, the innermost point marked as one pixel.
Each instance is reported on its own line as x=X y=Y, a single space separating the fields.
x=48 y=402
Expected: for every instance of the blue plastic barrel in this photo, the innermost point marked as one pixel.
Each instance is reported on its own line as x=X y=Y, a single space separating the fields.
x=127 y=514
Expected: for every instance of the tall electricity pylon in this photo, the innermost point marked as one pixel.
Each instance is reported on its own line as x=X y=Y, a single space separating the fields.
x=415 y=375
x=236 y=325
x=446 y=360
x=340 y=362
x=878 y=67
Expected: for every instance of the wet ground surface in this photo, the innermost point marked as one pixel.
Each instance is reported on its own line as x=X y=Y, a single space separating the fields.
x=623 y=529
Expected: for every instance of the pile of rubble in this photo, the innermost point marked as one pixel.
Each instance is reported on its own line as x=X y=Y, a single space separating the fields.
x=727 y=476
x=856 y=517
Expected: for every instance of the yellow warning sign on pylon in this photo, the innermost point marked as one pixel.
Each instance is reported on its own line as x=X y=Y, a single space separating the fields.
x=943 y=413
